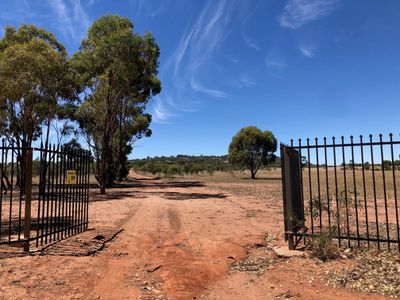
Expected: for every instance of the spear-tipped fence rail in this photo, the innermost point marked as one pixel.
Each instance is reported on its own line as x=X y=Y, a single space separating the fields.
x=44 y=194
x=347 y=189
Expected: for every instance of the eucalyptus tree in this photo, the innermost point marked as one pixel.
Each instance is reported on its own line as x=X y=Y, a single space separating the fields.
x=118 y=70
x=251 y=148
x=35 y=84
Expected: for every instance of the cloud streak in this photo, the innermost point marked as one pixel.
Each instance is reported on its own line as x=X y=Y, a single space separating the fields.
x=72 y=18
x=307 y=51
x=190 y=63
x=300 y=12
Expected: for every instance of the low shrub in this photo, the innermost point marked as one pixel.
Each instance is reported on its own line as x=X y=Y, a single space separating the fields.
x=322 y=246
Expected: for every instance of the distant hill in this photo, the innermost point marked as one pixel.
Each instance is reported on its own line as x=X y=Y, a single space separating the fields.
x=184 y=164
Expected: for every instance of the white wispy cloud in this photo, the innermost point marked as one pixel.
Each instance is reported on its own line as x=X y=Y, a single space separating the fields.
x=192 y=59
x=20 y=11
x=249 y=42
x=200 y=41
x=274 y=64
x=146 y=8
x=275 y=67
x=307 y=51
x=198 y=87
x=299 y=12
x=72 y=18
x=243 y=82
x=160 y=113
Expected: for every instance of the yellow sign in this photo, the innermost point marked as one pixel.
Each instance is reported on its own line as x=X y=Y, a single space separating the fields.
x=71 y=176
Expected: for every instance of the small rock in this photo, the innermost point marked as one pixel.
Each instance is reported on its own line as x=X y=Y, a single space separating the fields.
x=285 y=252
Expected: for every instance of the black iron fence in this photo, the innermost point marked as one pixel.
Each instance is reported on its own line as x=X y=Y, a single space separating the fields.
x=44 y=194
x=347 y=189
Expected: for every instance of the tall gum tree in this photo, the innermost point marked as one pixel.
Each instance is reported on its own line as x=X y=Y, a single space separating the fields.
x=117 y=70
x=35 y=78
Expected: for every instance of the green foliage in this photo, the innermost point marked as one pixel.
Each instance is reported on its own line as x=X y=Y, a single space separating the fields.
x=34 y=76
x=181 y=165
x=251 y=148
x=322 y=246
x=72 y=145
x=343 y=198
x=118 y=75
x=387 y=165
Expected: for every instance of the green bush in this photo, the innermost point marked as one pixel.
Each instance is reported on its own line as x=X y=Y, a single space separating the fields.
x=322 y=246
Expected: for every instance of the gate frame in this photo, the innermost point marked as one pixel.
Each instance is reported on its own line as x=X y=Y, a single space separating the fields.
x=293 y=202
x=56 y=192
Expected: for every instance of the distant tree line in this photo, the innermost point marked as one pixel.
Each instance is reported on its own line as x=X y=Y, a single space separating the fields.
x=387 y=165
x=186 y=165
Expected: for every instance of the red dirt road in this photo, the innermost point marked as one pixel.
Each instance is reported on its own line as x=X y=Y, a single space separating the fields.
x=178 y=242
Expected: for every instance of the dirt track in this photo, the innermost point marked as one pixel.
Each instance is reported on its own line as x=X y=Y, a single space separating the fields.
x=179 y=241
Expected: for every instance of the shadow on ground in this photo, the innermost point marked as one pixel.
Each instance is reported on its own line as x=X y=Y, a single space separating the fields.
x=120 y=190
x=192 y=196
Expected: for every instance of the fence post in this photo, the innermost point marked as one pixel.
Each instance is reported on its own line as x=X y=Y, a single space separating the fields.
x=28 y=198
x=293 y=206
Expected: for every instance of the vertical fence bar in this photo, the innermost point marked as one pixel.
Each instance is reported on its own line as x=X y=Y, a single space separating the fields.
x=364 y=188
x=20 y=196
x=1 y=185
x=327 y=187
x=310 y=188
x=51 y=194
x=374 y=190
x=78 y=178
x=301 y=185
x=70 y=191
x=74 y=193
x=345 y=193
x=58 y=204
x=318 y=185
x=67 y=192
x=39 y=198
x=43 y=171
x=48 y=192
x=63 y=204
x=336 y=191
x=355 y=189
x=11 y=192
x=28 y=198
x=88 y=160
x=395 y=189
x=384 y=191
x=81 y=192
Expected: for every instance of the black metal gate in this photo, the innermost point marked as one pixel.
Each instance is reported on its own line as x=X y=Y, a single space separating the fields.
x=346 y=189
x=44 y=194
x=293 y=203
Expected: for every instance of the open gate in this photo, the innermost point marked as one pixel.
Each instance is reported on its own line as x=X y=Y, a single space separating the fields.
x=293 y=203
x=345 y=189
x=44 y=194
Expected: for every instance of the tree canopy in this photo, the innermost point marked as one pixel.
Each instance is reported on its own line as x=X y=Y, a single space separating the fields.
x=34 y=76
x=118 y=75
x=251 y=148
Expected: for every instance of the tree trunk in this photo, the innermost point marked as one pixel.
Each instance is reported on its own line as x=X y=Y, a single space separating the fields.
x=120 y=154
x=104 y=169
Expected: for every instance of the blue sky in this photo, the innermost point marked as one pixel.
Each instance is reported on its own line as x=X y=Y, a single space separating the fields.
x=300 y=68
